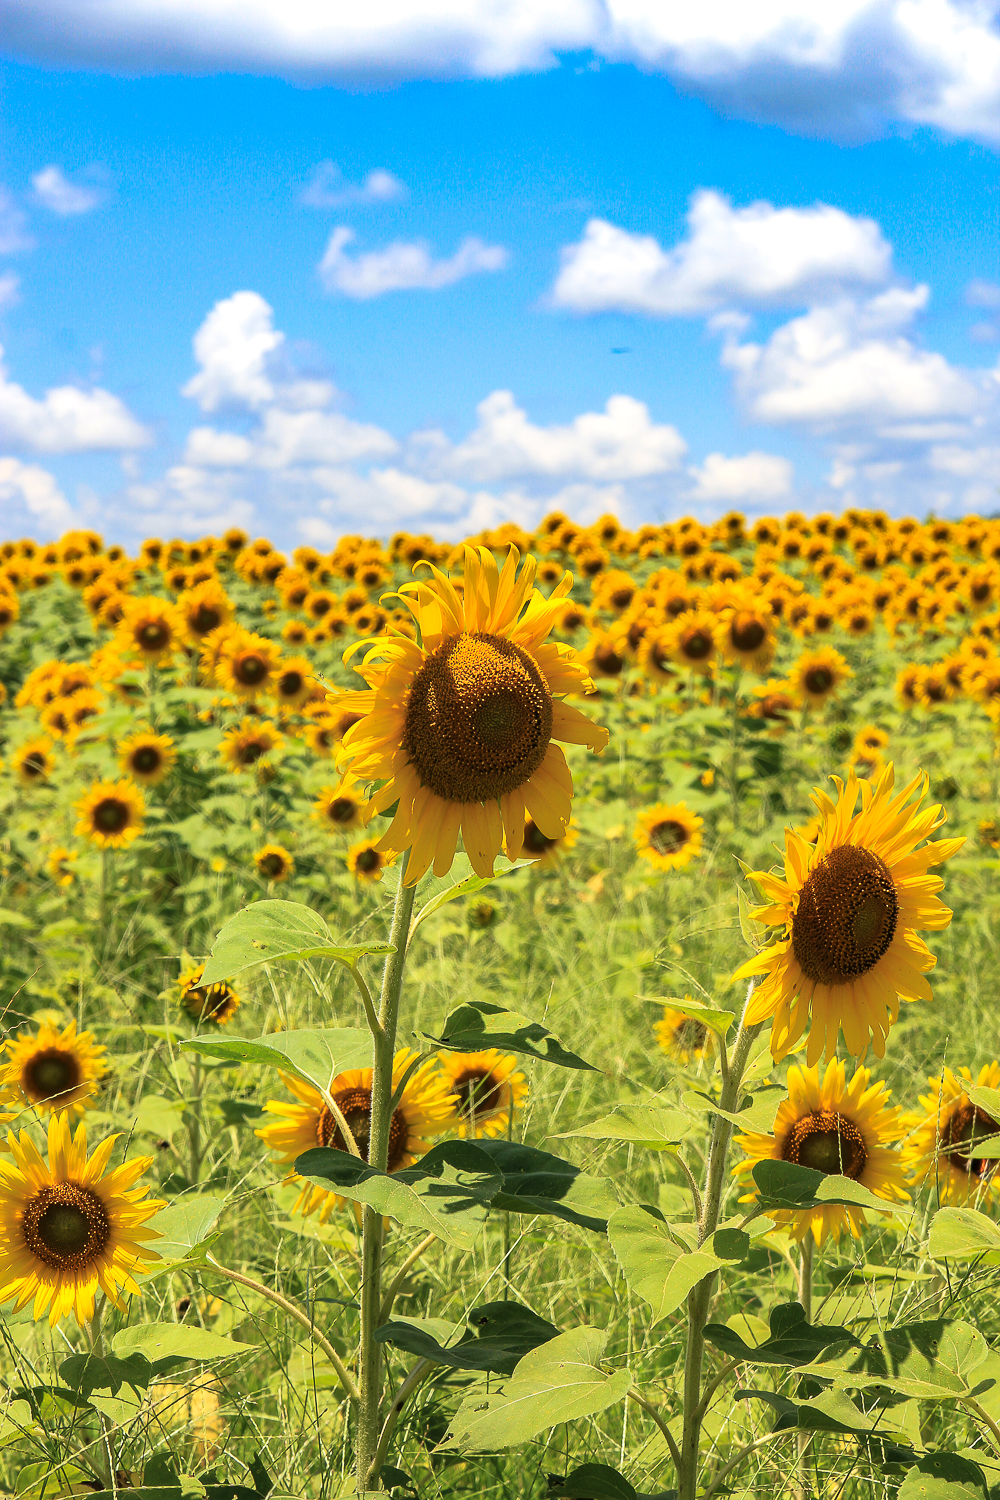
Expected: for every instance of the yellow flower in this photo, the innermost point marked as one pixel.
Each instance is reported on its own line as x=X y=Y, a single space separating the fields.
x=486 y=1086
x=111 y=814
x=274 y=862
x=338 y=809
x=147 y=757
x=461 y=728
x=59 y=865
x=366 y=861
x=294 y=681
x=544 y=851
x=425 y=1108
x=838 y=1128
x=668 y=835
x=690 y=640
x=54 y=1069
x=204 y=608
x=816 y=675
x=244 y=746
x=69 y=1227
x=212 y=1002
x=247 y=664
x=851 y=906
x=746 y=635
x=34 y=762
x=150 y=628
x=940 y=1146
x=682 y=1036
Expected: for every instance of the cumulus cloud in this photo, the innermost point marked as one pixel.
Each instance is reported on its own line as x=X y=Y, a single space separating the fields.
x=32 y=500
x=66 y=420
x=56 y=192
x=759 y=256
x=753 y=477
x=329 y=188
x=14 y=234
x=285 y=439
x=401 y=266
x=233 y=347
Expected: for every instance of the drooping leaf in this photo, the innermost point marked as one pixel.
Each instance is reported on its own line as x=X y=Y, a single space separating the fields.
x=657 y=1267
x=830 y=1411
x=962 y=1232
x=500 y=1333
x=650 y=1125
x=757 y=1116
x=479 y=1025
x=315 y=1055
x=184 y=1226
x=90 y=1372
x=593 y=1482
x=557 y=1382
x=786 y=1185
x=717 y=1020
x=793 y=1341
x=157 y=1341
x=268 y=930
x=935 y=1360
x=536 y=1182
x=944 y=1476
x=465 y=887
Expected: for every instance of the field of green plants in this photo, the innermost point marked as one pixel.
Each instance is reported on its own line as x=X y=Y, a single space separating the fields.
x=600 y=1225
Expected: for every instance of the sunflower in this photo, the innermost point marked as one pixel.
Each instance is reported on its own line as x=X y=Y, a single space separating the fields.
x=111 y=814
x=746 y=635
x=851 y=906
x=248 y=664
x=486 y=1089
x=60 y=866
x=543 y=851
x=53 y=1070
x=366 y=861
x=70 y=1227
x=425 y=1108
x=462 y=727
x=690 y=640
x=213 y=1002
x=274 y=862
x=867 y=758
x=150 y=628
x=295 y=632
x=682 y=1036
x=668 y=835
x=204 y=608
x=242 y=747
x=338 y=809
x=773 y=701
x=656 y=654
x=816 y=675
x=940 y=1146
x=34 y=762
x=294 y=681
x=148 y=758
x=838 y=1128
x=606 y=654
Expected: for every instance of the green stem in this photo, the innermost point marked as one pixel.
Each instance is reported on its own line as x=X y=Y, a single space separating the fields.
x=805 y=1297
x=700 y=1297
x=107 y=1467
x=384 y=1038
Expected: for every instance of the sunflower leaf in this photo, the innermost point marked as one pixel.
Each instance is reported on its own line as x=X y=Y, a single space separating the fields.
x=536 y=1182
x=268 y=930
x=185 y=1227
x=480 y=1025
x=786 y=1185
x=935 y=1360
x=651 y=1126
x=962 y=1231
x=499 y=1334
x=719 y=1021
x=793 y=1341
x=156 y=1341
x=315 y=1055
x=657 y=1267
x=944 y=1476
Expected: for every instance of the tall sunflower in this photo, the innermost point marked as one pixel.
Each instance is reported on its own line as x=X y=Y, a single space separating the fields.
x=247 y=664
x=940 y=1148
x=817 y=675
x=486 y=1087
x=274 y=862
x=216 y=1003
x=838 y=1128
x=668 y=835
x=461 y=727
x=851 y=906
x=746 y=635
x=110 y=815
x=150 y=628
x=53 y=1070
x=148 y=758
x=69 y=1227
x=690 y=640
x=425 y=1108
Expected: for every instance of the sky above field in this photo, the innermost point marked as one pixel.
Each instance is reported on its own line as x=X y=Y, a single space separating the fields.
x=314 y=269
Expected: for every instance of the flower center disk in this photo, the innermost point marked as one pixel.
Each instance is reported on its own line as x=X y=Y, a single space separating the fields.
x=478 y=719
x=356 y=1108
x=846 y=917
x=66 y=1226
x=50 y=1074
x=829 y=1142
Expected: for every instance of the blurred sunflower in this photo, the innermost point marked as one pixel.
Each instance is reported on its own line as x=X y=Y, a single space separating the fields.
x=274 y=862
x=367 y=862
x=34 y=762
x=546 y=852
x=485 y=1087
x=204 y=608
x=248 y=664
x=656 y=654
x=53 y=1070
x=851 y=907
x=746 y=635
x=682 y=1036
x=838 y=1128
x=244 y=746
x=606 y=652
x=425 y=1109
x=60 y=866
x=148 y=758
x=462 y=728
x=69 y=1227
x=294 y=681
x=690 y=640
x=817 y=675
x=668 y=835
x=110 y=814
x=150 y=628
x=338 y=809
x=940 y=1148
x=295 y=632
x=217 y=1003
x=774 y=701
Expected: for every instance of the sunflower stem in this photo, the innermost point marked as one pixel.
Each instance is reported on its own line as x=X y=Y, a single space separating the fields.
x=805 y=1297
x=384 y=1044
x=700 y=1297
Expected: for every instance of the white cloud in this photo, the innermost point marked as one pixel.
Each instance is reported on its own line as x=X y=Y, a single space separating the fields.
x=31 y=498
x=233 y=347
x=752 y=477
x=401 y=266
x=66 y=420
x=622 y=442
x=55 y=191
x=287 y=439
x=980 y=293
x=14 y=234
x=10 y=290
x=329 y=188
x=758 y=256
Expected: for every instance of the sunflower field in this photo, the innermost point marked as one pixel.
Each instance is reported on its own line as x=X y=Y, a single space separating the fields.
x=508 y=1019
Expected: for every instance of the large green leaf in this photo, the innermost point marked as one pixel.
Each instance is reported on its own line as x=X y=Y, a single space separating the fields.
x=962 y=1232
x=468 y=886
x=184 y=1227
x=317 y=1056
x=660 y=1270
x=269 y=930
x=500 y=1334
x=758 y=1115
x=944 y=1476
x=480 y=1024
x=830 y=1411
x=536 y=1182
x=158 y=1341
x=715 y=1019
x=936 y=1360
x=793 y=1340
x=599 y=1482
x=557 y=1382
x=786 y=1185
x=650 y=1125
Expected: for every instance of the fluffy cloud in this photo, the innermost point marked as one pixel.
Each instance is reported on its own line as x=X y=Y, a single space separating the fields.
x=401 y=267
x=758 y=256
x=328 y=188
x=288 y=439
x=753 y=478
x=66 y=420
x=56 y=192
x=233 y=347
x=622 y=442
x=32 y=500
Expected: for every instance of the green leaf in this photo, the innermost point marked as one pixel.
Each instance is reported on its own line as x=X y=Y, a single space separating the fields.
x=268 y=930
x=158 y=1117
x=317 y=1056
x=479 y=1025
x=598 y=1482
x=88 y=1372
x=961 y=1231
x=758 y=1115
x=716 y=1020
x=935 y=1360
x=830 y=1411
x=660 y=1270
x=467 y=887
x=944 y=1476
x=174 y=1341
x=15 y=1422
x=793 y=1340
x=648 y=1125
x=786 y=1185
x=558 y=1382
x=500 y=1334
x=184 y=1227
x=536 y=1182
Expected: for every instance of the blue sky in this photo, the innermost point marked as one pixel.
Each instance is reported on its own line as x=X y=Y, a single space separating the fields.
x=309 y=299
